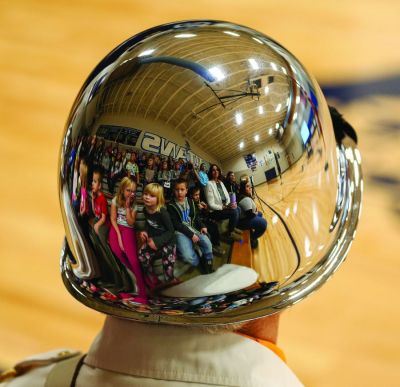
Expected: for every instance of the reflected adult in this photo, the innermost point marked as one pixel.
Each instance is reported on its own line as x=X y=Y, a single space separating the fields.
x=189 y=175
x=164 y=179
x=150 y=171
x=219 y=202
x=132 y=169
x=203 y=177
x=116 y=171
x=231 y=185
x=250 y=218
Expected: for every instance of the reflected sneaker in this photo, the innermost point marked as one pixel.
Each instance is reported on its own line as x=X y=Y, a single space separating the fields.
x=254 y=243
x=218 y=250
x=235 y=237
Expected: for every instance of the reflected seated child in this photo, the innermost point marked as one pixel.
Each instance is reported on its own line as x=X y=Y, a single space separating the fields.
x=190 y=232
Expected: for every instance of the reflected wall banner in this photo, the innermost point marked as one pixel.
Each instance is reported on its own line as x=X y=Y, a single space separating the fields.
x=168 y=215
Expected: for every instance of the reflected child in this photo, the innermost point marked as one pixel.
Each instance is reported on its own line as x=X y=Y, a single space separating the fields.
x=99 y=208
x=122 y=235
x=83 y=172
x=158 y=238
x=191 y=232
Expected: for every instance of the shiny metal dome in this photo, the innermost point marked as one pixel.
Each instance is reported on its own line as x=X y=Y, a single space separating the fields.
x=212 y=93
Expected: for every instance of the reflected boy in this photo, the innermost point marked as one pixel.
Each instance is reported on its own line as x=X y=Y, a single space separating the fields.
x=191 y=233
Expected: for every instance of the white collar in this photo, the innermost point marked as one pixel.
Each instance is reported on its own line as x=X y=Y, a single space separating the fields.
x=186 y=354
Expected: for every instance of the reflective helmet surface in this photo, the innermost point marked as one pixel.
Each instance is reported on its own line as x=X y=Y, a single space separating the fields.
x=203 y=100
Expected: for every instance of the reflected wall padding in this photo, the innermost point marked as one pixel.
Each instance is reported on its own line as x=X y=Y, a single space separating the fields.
x=241 y=252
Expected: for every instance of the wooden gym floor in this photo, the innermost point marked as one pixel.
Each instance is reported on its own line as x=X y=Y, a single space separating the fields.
x=344 y=335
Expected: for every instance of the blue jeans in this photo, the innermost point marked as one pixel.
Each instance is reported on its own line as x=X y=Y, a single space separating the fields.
x=257 y=225
x=187 y=251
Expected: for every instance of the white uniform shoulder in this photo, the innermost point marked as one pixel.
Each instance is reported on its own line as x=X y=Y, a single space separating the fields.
x=34 y=370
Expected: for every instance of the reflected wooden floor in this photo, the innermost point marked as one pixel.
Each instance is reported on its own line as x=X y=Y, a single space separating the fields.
x=344 y=335
x=298 y=220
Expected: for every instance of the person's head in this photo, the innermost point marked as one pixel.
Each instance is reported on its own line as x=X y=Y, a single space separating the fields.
x=177 y=166
x=230 y=177
x=240 y=292
x=180 y=189
x=195 y=194
x=153 y=196
x=164 y=166
x=119 y=156
x=190 y=165
x=133 y=157
x=150 y=163
x=202 y=167
x=214 y=173
x=245 y=188
x=83 y=170
x=244 y=178
x=96 y=181
x=126 y=190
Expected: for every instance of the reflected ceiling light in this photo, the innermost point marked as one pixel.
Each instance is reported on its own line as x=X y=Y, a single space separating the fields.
x=253 y=63
x=320 y=247
x=356 y=174
x=231 y=33
x=273 y=65
x=257 y=40
x=241 y=145
x=146 y=52
x=257 y=137
x=266 y=90
x=183 y=36
x=277 y=125
x=278 y=108
x=307 y=247
x=295 y=208
x=270 y=131
x=358 y=155
x=217 y=73
x=297 y=99
x=349 y=154
x=239 y=118
x=287 y=101
x=351 y=187
x=294 y=70
x=275 y=219
x=284 y=70
x=315 y=217
x=294 y=116
x=287 y=212
x=260 y=110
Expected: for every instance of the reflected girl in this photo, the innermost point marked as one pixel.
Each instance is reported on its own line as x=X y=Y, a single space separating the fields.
x=122 y=235
x=250 y=218
x=158 y=238
x=83 y=172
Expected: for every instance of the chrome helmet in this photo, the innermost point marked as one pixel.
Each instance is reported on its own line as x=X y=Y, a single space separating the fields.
x=202 y=100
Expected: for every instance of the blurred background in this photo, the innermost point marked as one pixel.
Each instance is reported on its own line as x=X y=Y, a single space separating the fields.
x=347 y=333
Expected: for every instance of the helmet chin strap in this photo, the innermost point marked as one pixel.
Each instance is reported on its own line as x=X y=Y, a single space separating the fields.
x=341 y=126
